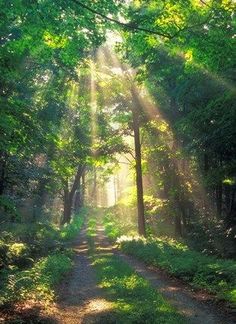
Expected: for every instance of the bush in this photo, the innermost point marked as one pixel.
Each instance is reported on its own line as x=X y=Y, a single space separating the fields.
x=19 y=254
x=41 y=247
x=37 y=283
x=216 y=275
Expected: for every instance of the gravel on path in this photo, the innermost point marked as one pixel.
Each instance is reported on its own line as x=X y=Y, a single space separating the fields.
x=194 y=307
x=81 y=301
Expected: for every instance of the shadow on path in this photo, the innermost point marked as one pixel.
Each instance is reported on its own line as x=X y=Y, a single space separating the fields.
x=195 y=310
x=80 y=300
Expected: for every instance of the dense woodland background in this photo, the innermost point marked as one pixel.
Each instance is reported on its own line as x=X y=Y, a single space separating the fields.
x=95 y=95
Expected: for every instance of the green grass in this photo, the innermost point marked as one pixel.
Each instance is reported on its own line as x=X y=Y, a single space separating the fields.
x=70 y=231
x=133 y=299
x=91 y=232
x=130 y=298
x=217 y=276
x=91 y=227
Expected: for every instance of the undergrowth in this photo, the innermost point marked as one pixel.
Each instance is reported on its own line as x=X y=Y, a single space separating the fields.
x=114 y=227
x=91 y=232
x=37 y=283
x=33 y=259
x=215 y=275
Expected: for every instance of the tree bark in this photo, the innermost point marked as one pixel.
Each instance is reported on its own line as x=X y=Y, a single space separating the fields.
x=77 y=200
x=69 y=195
x=83 y=188
x=138 y=164
x=67 y=207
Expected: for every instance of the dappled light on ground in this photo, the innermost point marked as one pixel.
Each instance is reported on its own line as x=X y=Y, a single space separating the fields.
x=118 y=147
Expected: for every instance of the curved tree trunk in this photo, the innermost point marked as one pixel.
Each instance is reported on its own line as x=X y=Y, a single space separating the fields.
x=69 y=195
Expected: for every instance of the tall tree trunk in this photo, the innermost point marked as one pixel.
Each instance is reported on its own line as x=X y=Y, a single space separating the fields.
x=178 y=226
x=67 y=207
x=83 y=188
x=69 y=195
x=77 y=200
x=95 y=198
x=138 y=164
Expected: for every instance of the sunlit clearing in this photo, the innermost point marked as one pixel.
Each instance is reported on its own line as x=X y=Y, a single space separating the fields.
x=121 y=179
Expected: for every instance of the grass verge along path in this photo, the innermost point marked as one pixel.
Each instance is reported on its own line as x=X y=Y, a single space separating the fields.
x=132 y=298
x=214 y=275
x=204 y=272
x=33 y=285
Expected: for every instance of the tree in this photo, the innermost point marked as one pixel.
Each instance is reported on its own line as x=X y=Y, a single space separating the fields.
x=42 y=45
x=188 y=83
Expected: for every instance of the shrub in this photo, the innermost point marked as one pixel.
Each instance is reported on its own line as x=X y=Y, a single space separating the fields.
x=216 y=275
x=40 y=246
x=37 y=283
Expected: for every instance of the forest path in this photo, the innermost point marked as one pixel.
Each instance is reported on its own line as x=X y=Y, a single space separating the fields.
x=82 y=301
x=79 y=296
x=193 y=306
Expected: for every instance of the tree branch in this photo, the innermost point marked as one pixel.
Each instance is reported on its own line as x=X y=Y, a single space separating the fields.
x=131 y=26
x=124 y=25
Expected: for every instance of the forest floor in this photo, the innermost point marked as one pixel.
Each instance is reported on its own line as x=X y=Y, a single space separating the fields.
x=81 y=300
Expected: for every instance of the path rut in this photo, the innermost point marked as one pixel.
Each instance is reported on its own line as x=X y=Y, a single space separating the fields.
x=81 y=301
x=79 y=296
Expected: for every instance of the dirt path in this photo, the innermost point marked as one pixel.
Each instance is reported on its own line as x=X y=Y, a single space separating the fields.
x=81 y=301
x=79 y=297
x=193 y=306
x=196 y=311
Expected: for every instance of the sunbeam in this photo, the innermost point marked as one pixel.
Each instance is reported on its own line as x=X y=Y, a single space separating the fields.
x=188 y=178
x=93 y=105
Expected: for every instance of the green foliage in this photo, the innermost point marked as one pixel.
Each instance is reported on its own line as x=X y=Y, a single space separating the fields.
x=217 y=276
x=115 y=225
x=193 y=92
x=18 y=254
x=7 y=204
x=70 y=231
x=33 y=259
x=91 y=226
x=133 y=299
x=91 y=231
x=45 y=52
x=37 y=283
